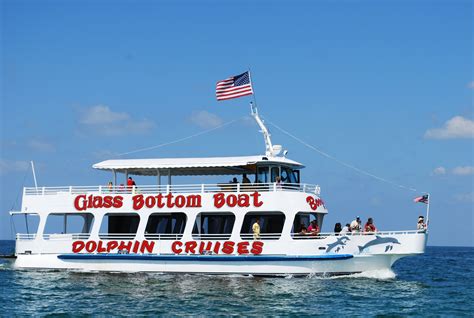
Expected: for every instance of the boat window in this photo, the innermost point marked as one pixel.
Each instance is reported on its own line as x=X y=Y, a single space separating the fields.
x=73 y=225
x=213 y=226
x=165 y=226
x=26 y=224
x=271 y=225
x=288 y=175
x=262 y=175
x=304 y=219
x=119 y=226
x=275 y=172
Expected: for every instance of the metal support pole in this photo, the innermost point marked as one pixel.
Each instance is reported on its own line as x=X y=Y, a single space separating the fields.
x=34 y=174
x=428 y=211
x=169 y=176
x=114 y=177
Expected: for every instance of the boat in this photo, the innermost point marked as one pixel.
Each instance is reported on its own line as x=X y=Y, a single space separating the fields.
x=200 y=227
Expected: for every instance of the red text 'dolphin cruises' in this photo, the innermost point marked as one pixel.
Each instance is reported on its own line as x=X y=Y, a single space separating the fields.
x=178 y=247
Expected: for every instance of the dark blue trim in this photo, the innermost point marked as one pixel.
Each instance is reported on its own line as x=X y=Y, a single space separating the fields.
x=204 y=258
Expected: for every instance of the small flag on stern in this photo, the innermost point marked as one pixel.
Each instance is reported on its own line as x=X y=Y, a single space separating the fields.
x=233 y=87
x=422 y=199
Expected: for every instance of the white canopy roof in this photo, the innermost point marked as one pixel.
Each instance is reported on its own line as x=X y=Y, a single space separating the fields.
x=193 y=166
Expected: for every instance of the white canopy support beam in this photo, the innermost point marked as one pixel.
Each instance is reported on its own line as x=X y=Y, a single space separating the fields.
x=114 y=177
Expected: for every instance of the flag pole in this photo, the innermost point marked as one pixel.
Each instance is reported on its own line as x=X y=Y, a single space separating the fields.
x=428 y=211
x=253 y=90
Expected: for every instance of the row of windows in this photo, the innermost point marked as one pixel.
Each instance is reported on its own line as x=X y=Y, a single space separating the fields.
x=172 y=225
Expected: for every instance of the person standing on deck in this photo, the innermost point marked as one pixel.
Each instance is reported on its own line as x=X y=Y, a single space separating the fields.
x=256 y=229
x=355 y=225
x=369 y=226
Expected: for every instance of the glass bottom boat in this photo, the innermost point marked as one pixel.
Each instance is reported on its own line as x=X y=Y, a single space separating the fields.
x=249 y=227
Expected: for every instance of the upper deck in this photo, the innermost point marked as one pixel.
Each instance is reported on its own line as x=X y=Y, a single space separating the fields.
x=65 y=199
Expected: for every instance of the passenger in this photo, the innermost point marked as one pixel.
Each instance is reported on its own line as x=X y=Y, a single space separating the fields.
x=110 y=186
x=130 y=183
x=121 y=188
x=346 y=229
x=303 y=231
x=313 y=228
x=256 y=229
x=234 y=180
x=369 y=226
x=421 y=226
x=337 y=228
x=355 y=225
x=245 y=179
x=278 y=182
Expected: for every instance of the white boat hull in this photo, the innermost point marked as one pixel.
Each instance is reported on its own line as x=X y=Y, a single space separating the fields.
x=355 y=264
x=333 y=255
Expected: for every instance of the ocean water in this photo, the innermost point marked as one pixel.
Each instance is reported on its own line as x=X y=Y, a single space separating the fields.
x=438 y=283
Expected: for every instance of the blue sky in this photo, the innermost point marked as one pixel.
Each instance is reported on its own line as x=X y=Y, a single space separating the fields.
x=384 y=85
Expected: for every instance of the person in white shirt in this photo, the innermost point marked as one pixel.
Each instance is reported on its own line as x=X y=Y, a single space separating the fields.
x=355 y=225
x=421 y=226
x=346 y=229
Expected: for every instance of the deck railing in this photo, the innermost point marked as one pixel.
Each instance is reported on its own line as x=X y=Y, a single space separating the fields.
x=196 y=236
x=175 y=188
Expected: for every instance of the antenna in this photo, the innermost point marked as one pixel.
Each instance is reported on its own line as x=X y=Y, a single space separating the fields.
x=34 y=174
x=270 y=149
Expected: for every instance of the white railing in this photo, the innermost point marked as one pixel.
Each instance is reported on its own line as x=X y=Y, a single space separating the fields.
x=175 y=188
x=66 y=237
x=262 y=236
x=159 y=237
x=216 y=237
x=25 y=237
x=117 y=236
x=309 y=236
x=196 y=236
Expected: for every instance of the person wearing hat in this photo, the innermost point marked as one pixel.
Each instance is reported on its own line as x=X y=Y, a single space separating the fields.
x=421 y=226
x=313 y=228
x=355 y=225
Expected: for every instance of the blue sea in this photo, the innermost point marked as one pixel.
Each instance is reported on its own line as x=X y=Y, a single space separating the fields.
x=438 y=284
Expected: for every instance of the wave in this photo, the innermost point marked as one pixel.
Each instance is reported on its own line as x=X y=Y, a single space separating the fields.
x=382 y=274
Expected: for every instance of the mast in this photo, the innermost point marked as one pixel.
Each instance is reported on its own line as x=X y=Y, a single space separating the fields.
x=270 y=149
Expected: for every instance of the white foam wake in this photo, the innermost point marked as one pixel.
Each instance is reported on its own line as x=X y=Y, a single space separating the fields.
x=375 y=274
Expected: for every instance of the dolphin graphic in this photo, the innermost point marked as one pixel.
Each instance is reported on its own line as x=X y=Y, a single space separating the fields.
x=339 y=242
x=379 y=240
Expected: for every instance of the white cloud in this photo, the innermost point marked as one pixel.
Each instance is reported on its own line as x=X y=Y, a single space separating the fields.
x=456 y=127
x=463 y=171
x=205 y=119
x=470 y=85
x=464 y=197
x=40 y=145
x=8 y=166
x=101 y=114
x=101 y=119
x=439 y=171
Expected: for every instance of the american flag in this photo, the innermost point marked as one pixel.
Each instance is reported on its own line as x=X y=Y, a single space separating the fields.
x=422 y=199
x=233 y=87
